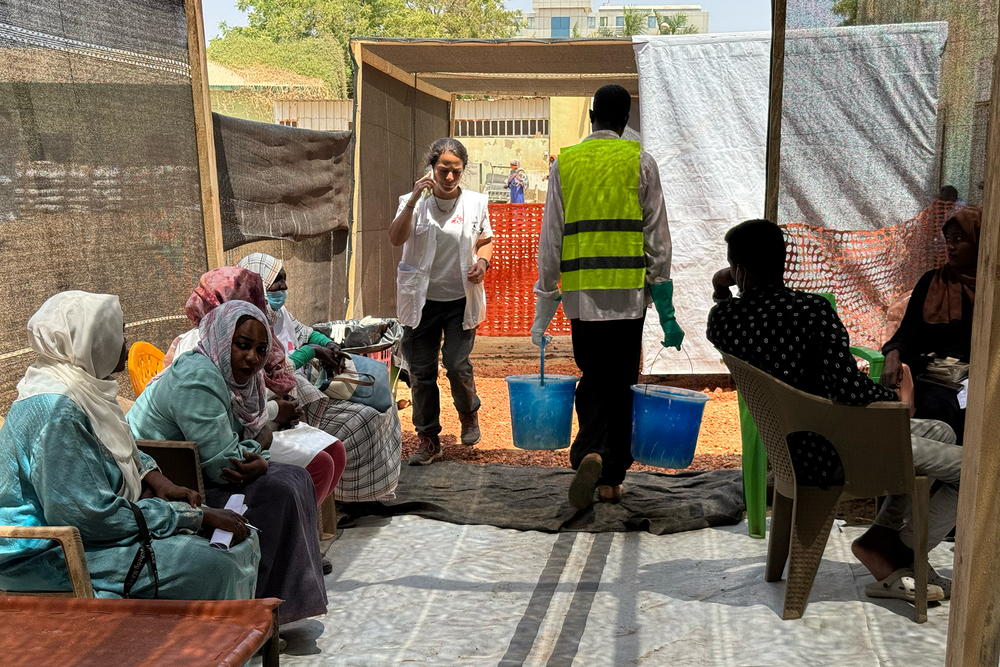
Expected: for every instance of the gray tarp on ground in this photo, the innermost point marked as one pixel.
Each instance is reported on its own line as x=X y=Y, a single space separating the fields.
x=534 y=498
x=278 y=182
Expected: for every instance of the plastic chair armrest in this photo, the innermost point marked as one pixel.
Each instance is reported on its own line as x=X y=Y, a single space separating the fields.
x=875 y=359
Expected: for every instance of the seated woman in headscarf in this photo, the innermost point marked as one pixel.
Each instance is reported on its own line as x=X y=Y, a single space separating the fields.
x=67 y=458
x=373 y=439
x=215 y=397
x=321 y=454
x=938 y=323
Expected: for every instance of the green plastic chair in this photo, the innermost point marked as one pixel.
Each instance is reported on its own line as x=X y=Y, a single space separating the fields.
x=755 y=454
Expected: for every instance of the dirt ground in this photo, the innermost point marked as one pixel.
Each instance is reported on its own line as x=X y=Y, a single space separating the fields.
x=495 y=358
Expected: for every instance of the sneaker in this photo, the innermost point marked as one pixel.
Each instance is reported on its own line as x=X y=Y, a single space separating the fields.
x=429 y=451
x=470 y=428
x=327 y=566
x=581 y=489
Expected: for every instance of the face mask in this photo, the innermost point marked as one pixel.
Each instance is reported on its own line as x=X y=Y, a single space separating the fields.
x=277 y=299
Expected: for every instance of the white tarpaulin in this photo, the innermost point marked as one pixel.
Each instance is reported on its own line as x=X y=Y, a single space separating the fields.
x=858 y=145
x=420 y=592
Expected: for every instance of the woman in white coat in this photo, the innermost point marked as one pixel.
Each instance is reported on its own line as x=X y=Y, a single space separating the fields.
x=447 y=244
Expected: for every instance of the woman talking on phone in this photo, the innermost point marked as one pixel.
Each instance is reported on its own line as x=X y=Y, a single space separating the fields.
x=447 y=244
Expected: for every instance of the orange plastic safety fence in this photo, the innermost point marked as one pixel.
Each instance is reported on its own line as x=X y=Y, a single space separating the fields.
x=866 y=270
x=510 y=301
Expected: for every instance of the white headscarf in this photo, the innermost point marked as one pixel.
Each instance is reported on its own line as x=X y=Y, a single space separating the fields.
x=78 y=337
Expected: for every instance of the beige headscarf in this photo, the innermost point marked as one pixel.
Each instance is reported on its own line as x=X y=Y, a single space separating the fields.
x=78 y=337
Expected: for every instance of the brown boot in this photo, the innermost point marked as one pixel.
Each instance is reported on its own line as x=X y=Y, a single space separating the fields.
x=428 y=452
x=581 y=489
x=470 y=428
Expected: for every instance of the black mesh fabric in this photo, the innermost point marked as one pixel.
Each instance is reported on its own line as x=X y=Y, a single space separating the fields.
x=99 y=184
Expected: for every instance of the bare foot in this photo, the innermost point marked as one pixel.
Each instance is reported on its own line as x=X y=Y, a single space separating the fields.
x=881 y=551
x=609 y=494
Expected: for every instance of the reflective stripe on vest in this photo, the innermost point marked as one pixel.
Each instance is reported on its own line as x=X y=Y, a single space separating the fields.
x=603 y=245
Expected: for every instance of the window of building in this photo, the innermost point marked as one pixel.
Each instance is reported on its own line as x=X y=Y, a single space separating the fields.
x=651 y=22
x=591 y=22
x=604 y=21
x=290 y=122
x=526 y=127
x=560 y=26
x=531 y=23
x=620 y=21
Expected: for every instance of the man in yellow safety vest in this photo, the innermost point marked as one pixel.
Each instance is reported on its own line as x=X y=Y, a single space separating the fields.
x=605 y=240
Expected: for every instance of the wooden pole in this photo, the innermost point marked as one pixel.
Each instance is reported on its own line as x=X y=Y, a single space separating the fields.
x=204 y=136
x=974 y=623
x=777 y=83
x=354 y=305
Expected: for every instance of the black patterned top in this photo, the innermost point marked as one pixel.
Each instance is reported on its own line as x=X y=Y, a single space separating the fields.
x=798 y=338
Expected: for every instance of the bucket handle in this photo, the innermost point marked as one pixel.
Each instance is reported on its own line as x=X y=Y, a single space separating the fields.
x=645 y=389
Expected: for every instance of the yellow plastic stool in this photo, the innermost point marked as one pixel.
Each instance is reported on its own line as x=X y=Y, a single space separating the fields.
x=144 y=361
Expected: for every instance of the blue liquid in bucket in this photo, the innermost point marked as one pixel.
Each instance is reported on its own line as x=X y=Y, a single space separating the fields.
x=665 y=424
x=541 y=416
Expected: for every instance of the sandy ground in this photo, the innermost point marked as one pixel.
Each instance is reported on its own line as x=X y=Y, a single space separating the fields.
x=495 y=358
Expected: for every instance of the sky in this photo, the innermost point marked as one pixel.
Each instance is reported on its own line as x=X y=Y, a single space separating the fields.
x=723 y=15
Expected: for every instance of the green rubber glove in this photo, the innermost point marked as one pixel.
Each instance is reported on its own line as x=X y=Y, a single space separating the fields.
x=545 y=310
x=663 y=299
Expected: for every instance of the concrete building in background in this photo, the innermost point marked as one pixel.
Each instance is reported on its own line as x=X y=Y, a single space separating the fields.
x=577 y=18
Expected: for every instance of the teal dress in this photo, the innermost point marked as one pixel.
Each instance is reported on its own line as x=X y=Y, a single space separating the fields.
x=55 y=472
x=191 y=401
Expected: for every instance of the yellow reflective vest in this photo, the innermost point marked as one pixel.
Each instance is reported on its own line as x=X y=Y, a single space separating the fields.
x=603 y=243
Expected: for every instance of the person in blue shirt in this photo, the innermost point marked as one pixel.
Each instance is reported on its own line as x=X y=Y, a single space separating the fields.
x=516 y=183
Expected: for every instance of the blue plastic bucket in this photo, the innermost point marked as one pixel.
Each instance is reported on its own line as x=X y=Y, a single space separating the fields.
x=665 y=424
x=541 y=416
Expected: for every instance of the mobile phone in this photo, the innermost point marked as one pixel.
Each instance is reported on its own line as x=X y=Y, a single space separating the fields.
x=427 y=191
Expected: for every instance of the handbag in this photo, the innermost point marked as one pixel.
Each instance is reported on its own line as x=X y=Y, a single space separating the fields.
x=363 y=380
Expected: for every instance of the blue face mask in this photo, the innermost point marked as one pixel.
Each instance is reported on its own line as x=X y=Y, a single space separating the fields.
x=277 y=299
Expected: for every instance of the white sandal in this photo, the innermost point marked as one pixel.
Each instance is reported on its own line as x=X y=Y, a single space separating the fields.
x=901 y=585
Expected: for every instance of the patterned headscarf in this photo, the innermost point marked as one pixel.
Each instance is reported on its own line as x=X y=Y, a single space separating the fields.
x=231 y=283
x=944 y=295
x=266 y=266
x=216 y=331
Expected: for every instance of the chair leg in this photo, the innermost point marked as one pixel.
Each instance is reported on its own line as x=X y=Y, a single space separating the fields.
x=754 y=473
x=781 y=534
x=328 y=519
x=921 y=502
x=813 y=513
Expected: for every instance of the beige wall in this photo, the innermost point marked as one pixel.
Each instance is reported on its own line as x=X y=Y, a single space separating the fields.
x=532 y=152
x=569 y=122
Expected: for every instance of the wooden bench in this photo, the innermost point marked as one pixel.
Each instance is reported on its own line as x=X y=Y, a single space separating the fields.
x=81 y=632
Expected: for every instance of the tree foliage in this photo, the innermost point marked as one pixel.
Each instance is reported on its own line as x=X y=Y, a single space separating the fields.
x=634 y=21
x=311 y=37
x=319 y=57
x=674 y=24
x=343 y=19
x=847 y=10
